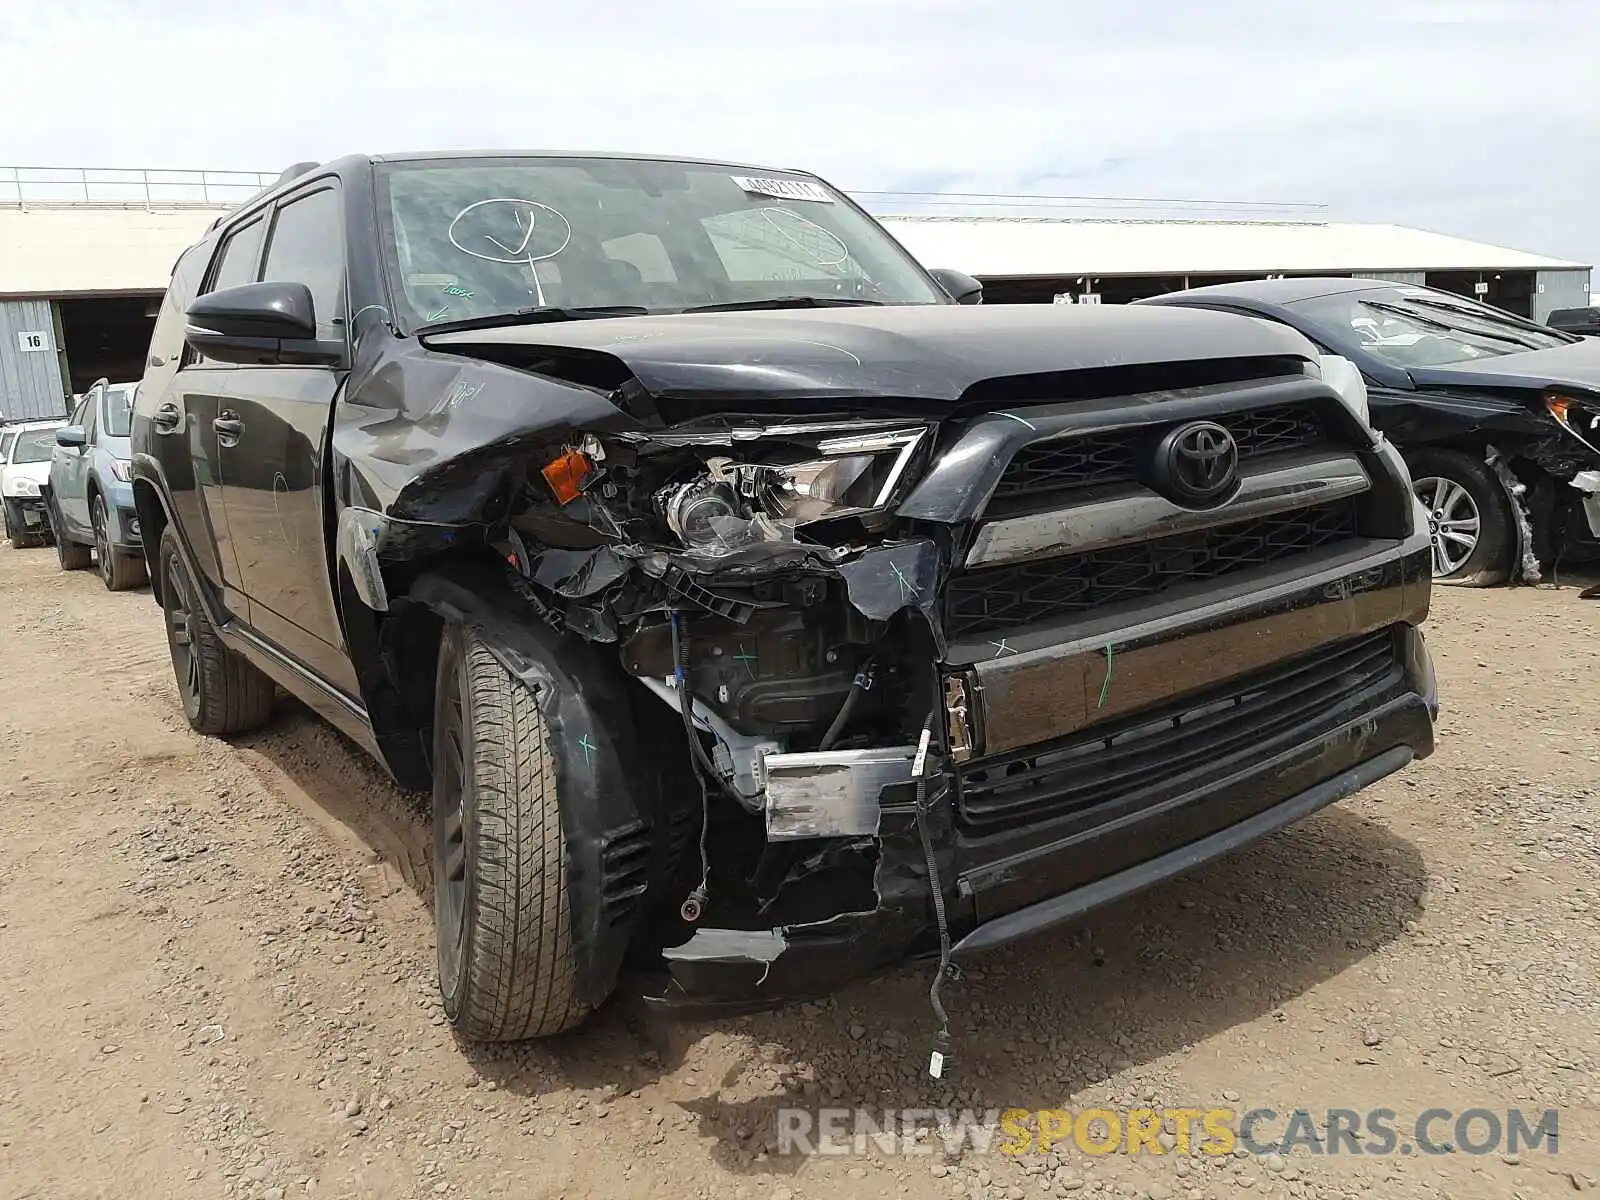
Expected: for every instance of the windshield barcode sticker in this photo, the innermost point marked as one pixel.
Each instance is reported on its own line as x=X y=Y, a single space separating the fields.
x=784 y=189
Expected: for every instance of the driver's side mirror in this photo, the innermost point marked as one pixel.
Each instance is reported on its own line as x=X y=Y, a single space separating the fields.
x=960 y=287
x=259 y=324
x=71 y=436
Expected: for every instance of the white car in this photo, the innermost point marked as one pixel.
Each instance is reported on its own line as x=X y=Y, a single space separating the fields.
x=25 y=467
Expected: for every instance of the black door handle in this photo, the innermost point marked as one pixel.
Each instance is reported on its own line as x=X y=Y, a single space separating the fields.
x=167 y=418
x=228 y=426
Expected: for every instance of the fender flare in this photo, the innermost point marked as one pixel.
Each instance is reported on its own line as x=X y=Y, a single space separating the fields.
x=609 y=808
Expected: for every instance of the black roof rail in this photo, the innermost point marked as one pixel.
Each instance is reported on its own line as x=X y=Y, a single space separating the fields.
x=288 y=173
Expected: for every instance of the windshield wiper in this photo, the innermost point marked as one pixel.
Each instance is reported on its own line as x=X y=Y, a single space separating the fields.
x=1469 y=315
x=784 y=302
x=1401 y=311
x=1455 y=331
x=541 y=315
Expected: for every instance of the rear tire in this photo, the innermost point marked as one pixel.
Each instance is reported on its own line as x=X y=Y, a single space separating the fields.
x=119 y=571
x=1470 y=520
x=507 y=967
x=71 y=555
x=221 y=692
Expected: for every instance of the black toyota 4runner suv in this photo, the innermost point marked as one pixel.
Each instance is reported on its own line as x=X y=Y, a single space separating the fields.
x=758 y=607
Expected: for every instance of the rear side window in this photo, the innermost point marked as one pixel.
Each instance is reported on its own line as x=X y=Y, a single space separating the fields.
x=240 y=254
x=307 y=246
x=166 y=339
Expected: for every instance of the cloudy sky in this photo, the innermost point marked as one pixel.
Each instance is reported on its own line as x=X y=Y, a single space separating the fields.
x=1475 y=117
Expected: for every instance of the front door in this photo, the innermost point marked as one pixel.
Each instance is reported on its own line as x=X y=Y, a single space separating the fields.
x=272 y=432
x=73 y=473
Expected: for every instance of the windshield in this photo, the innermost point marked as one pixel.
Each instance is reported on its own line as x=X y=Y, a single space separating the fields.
x=1419 y=327
x=33 y=446
x=479 y=237
x=119 y=410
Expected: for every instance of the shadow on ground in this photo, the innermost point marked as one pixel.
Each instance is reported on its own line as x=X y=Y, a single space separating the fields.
x=1033 y=1024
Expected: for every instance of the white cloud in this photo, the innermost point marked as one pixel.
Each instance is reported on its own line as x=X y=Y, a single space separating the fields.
x=1470 y=117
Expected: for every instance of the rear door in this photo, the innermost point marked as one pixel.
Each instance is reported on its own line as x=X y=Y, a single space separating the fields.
x=273 y=427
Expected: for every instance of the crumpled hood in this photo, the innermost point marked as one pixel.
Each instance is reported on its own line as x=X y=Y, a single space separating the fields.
x=926 y=352
x=10 y=476
x=1577 y=365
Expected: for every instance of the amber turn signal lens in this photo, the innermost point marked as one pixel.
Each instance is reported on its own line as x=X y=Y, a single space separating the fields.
x=567 y=475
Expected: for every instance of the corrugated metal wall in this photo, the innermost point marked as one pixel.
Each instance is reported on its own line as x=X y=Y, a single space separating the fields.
x=1559 y=289
x=30 y=380
x=1415 y=277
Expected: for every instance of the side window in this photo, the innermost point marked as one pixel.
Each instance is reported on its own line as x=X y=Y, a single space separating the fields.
x=307 y=246
x=77 y=413
x=166 y=339
x=237 y=261
x=241 y=252
x=91 y=414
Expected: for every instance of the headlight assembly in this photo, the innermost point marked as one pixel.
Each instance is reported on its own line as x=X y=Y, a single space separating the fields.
x=734 y=503
x=27 y=487
x=1580 y=418
x=122 y=469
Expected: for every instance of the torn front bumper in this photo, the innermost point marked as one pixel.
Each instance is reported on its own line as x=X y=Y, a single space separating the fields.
x=32 y=511
x=1277 y=698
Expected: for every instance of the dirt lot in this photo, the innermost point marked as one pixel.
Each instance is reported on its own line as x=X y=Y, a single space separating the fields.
x=216 y=973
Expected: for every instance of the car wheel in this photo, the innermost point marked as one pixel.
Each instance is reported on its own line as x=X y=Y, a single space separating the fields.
x=119 y=571
x=1470 y=521
x=72 y=555
x=507 y=968
x=222 y=692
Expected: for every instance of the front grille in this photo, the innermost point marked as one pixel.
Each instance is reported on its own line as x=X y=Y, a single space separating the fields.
x=1141 y=755
x=1112 y=457
x=1001 y=598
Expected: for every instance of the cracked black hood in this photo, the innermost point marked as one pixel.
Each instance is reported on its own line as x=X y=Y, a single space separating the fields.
x=929 y=353
x=1577 y=366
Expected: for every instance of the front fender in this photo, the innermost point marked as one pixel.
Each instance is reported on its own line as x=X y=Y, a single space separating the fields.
x=608 y=803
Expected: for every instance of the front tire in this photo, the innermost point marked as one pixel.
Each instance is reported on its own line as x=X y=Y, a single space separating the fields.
x=119 y=571
x=1470 y=521
x=222 y=693
x=507 y=967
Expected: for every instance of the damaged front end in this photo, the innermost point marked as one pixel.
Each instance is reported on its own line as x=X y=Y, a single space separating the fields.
x=756 y=581
x=902 y=685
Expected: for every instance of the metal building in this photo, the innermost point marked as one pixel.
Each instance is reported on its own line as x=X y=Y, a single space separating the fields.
x=85 y=256
x=1040 y=259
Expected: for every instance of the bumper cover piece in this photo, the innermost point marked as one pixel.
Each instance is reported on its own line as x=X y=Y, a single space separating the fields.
x=1005 y=885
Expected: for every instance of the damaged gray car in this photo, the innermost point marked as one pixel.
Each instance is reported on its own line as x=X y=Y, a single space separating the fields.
x=759 y=609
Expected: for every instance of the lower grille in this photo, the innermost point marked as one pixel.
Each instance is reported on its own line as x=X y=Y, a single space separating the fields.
x=1001 y=598
x=1113 y=457
x=1144 y=753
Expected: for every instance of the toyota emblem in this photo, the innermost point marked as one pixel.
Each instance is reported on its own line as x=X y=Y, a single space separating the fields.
x=1198 y=463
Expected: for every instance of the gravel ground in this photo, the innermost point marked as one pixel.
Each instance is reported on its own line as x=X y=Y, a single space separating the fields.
x=217 y=976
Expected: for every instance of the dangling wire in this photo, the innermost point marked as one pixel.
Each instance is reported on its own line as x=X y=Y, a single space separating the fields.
x=942 y=1058
x=694 y=904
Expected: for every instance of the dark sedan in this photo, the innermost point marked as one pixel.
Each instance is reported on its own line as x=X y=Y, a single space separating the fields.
x=1497 y=417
